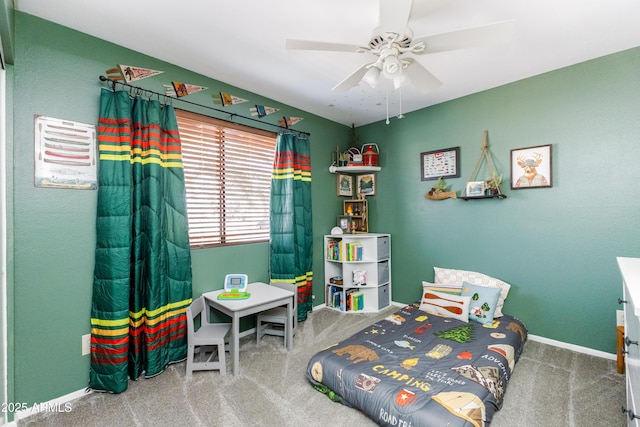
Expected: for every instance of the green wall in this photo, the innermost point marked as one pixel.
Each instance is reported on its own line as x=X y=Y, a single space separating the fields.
x=556 y=246
x=56 y=74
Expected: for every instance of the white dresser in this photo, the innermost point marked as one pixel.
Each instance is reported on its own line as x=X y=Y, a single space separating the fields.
x=630 y=269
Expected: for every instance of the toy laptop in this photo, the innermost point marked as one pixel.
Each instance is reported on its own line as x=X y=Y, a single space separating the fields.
x=235 y=287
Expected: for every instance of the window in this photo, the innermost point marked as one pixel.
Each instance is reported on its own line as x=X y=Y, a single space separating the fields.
x=227 y=169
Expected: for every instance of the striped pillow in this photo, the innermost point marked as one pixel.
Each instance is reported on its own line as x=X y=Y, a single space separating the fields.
x=450 y=277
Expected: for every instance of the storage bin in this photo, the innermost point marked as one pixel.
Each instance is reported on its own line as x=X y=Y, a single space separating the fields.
x=383 y=296
x=383 y=247
x=383 y=271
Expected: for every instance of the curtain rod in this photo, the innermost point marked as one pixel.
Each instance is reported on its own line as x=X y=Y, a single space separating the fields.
x=147 y=91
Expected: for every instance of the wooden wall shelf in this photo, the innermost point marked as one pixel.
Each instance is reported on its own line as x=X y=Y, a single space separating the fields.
x=493 y=196
x=354 y=169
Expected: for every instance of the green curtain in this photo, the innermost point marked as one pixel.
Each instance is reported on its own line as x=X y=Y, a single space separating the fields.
x=142 y=277
x=291 y=248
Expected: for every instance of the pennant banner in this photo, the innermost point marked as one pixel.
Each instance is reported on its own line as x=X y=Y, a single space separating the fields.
x=226 y=99
x=130 y=74
x=261 y=110
x=286 y=122
x=182 y=89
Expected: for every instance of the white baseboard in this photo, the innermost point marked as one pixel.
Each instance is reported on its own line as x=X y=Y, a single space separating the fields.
x=60 y=404
x=573 y=347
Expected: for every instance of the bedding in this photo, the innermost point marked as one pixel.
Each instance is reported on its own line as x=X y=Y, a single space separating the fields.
x=454 y=279
x=418 y=369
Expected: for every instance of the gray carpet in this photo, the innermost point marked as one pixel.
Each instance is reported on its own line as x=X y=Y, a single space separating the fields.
x=550 y=387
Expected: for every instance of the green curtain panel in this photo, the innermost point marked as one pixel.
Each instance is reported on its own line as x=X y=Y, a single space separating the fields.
x=142 y=278
x=291 y=249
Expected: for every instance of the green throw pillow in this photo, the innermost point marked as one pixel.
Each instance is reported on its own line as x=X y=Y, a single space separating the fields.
x=483 y=302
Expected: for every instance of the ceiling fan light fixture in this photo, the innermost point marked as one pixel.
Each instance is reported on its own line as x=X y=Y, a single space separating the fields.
x=372 y=76
x=392 y=67
x=400 y=80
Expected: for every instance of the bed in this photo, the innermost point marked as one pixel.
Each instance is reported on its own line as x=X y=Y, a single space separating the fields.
x=442 y=361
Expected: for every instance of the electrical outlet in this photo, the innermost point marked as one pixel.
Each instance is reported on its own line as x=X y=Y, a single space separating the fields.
x=86 y=344
x=619 y=318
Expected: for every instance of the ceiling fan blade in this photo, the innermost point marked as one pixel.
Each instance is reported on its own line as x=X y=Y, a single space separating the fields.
x=421 y=77
x=498 y=32
x=353 y=79
x=311 y=45
x=394 y=16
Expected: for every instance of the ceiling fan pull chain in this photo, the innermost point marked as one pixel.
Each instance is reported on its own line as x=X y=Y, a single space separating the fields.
x=387 y=96
x=400 y=116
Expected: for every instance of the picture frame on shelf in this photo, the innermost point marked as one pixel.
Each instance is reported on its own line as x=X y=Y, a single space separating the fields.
x=344 y=222
x=344 y=184
x=366 y=184
x=531 y=167
x=443 y=163
x=475 y=189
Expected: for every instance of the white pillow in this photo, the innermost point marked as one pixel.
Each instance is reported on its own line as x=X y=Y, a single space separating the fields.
x=455 y=290
x=451 y=277
x=446 y=305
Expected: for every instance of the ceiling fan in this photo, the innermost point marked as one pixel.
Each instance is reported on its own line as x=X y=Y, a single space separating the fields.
x=392 y=41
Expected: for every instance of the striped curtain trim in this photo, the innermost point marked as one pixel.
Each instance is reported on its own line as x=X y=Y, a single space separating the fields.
x=110 y=339
x=113 y=143
x=290 y=165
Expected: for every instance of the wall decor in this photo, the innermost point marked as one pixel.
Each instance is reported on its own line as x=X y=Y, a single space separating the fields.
x=491 y=184
x=65 y=154
x=178 y=89
x=531 y=167
x=129 y=73
x=261 y=110
x=226 y=99
x=475 y=188
x=287 y=122
x=344 y=184
x=344 y=222
x=440 y=163
x=366 y=184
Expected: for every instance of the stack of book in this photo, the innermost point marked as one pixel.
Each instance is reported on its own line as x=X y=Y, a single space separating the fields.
x=353 y=251
x=334 y=250
x=355 y=300
x=335 y=297
x=349 y=300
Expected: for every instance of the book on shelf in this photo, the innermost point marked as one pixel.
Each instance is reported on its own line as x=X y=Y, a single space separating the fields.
x=334 y=250
x=355 y=300
x=335 y=297
x=338 y=250
x=354 y=251
x=359 y=297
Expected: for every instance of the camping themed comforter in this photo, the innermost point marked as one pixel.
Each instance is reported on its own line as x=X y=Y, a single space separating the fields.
x=417 y=369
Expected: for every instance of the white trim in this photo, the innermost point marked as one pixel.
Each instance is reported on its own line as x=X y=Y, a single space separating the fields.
x=3 y=239
x=59 y=404
x=573 y=347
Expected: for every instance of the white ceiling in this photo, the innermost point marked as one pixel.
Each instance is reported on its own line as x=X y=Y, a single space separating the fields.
x=242 y=43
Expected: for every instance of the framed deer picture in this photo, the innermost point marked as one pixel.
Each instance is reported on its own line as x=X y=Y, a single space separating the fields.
x=531 y=167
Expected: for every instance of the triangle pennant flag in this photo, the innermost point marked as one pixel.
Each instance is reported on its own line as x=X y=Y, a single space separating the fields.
x=130 y=73
x=261 y=110
x=182 y=89
x=226 y=99
x=286 y=122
